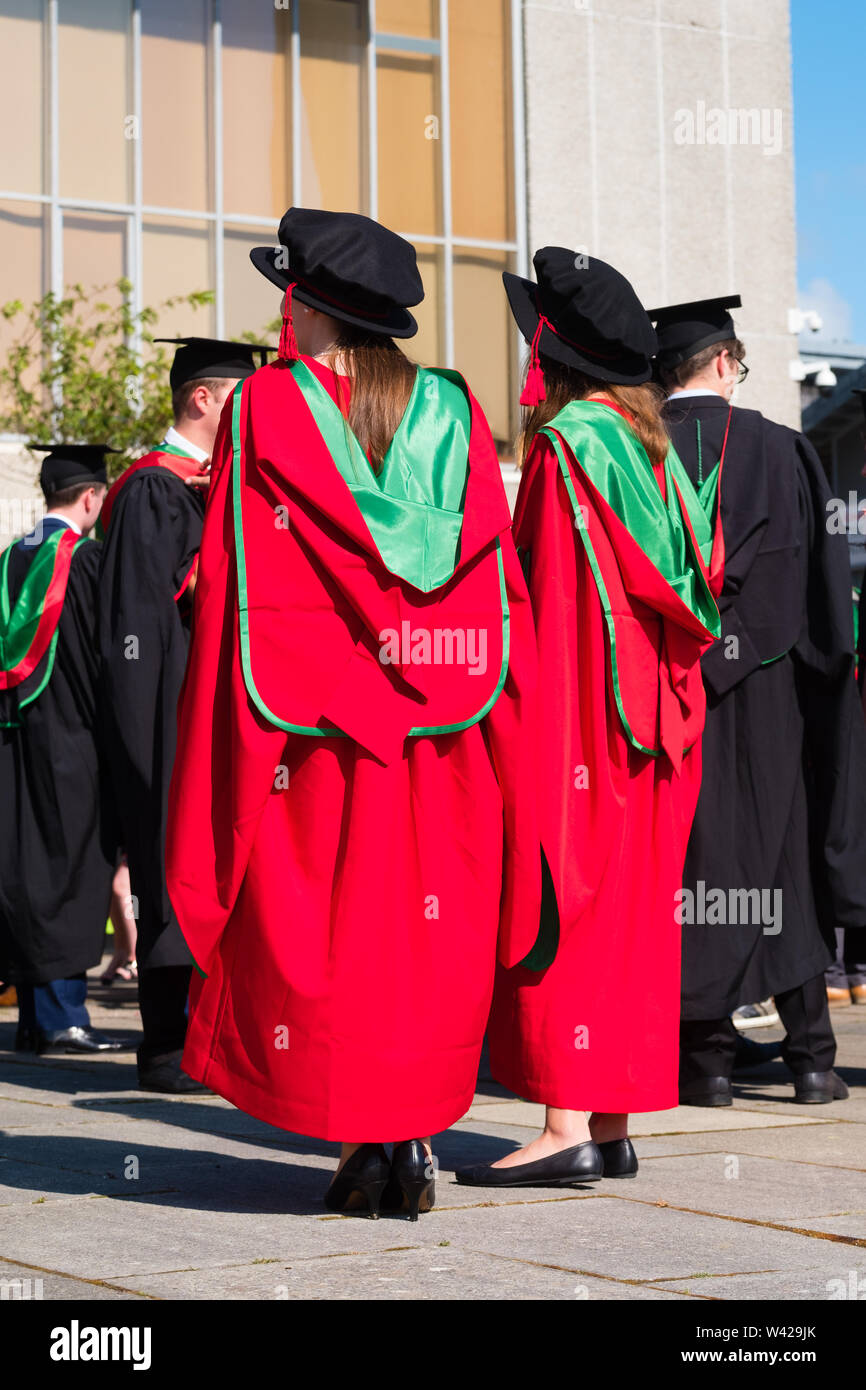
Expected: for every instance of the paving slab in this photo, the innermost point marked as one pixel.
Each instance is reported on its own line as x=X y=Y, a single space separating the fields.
x=748 y=1185
x=833 y=1145
x=607 y=1235
x=114 y=1238
x=429 y=1273
x=21 y=1282
x=800 y=1285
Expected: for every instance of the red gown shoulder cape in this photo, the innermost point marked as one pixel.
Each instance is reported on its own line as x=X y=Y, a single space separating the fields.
x=352 y=826
x=616 y=554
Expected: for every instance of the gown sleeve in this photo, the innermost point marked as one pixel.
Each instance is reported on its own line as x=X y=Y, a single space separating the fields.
x=227 y=756
x=151 y=544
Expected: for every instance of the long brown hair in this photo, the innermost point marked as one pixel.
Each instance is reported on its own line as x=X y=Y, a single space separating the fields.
x=563 y=384
x=381 y=378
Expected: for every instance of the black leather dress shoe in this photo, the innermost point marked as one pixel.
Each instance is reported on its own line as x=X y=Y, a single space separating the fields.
x=164 y=1074
x=85 y=1040
x=708 y=1090
x=620 y=1159
x=583 y=1163
x=819 y=1087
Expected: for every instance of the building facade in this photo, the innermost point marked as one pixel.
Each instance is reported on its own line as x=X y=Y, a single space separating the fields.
x=160 y=141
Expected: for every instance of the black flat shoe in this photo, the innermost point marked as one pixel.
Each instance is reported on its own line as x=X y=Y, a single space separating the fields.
x=412 y=1184
x=85 y=1040
x=819 y=1087
x=620 y=1159
x=583 y=1163
x=360 y=1182
x=709 y=1090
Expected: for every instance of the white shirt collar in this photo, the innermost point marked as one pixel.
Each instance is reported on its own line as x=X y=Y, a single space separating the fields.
x=695 y=391
x=67 y=521
x=174 y=437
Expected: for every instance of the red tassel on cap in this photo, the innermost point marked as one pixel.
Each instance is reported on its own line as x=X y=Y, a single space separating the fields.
x=534 y=391
x=288 y=349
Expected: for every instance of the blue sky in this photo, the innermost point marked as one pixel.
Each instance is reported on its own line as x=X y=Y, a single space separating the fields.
x=829 y=55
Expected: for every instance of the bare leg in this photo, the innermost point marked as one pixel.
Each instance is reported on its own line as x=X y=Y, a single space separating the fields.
x=348 y=1149
x=604 y=1127
x=563 y=1129
x=122 y=919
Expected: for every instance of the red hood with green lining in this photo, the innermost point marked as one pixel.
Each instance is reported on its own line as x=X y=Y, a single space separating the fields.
x=371 y=606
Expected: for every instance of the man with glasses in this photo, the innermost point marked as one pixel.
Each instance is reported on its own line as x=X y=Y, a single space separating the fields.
x=777 y=854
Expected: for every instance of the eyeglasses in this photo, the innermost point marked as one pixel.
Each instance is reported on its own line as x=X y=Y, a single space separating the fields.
x=743 y=370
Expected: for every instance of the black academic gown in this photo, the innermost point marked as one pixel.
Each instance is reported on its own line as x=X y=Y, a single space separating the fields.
x=58 y=841
x=151 y=542
x=783 y=794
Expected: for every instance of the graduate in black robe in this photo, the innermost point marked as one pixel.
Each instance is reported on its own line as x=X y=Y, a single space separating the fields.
x=57 y=831
x=782 y=808
x=153 y=523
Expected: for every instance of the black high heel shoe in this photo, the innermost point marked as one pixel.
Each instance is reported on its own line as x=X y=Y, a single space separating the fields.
x=360 y=1182
x=411 y=1187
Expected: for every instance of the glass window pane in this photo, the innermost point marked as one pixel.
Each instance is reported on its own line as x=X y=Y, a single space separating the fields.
x=176 y=260
x=484 y=339
x=481 y=141
x=21 y=106
x=251 y=301
x=257 y=140
x=24 y=236
x=175 y=142
x=332 y=105
x=426 y=347
x=95 y=148
x=418 y=18
x=94 y=250
x=409 y=146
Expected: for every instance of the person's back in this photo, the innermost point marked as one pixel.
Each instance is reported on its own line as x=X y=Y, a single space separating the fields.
x=352 y=787
x=777 y=831
x=57 y=830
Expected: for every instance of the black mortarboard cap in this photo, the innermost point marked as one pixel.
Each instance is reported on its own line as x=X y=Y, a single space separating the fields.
x=217 y=357
x=68 y=465
x=348 y=266
x=685 y=329
x=593 y=319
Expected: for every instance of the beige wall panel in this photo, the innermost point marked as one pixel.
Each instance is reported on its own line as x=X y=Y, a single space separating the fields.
x=257 y=138
x=407 y=87
x=426 y=347
x=483 y=337
x=95 y=151
x=420 y=18
x=332 y=52
x=177 y=261
x=175 y=112
x=21 y=105
x=481 y=155
x=251 y=301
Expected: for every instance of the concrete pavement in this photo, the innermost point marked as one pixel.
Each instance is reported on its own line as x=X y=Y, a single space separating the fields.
x=107 y=1192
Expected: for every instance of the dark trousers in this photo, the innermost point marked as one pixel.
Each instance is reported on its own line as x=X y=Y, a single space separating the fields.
x=849 y=967
x=707 y=1046
x=162 y=998
x=55 y=1006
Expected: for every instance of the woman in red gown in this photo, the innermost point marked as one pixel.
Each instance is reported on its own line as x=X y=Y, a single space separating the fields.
x=615 y=546
x=352 y=832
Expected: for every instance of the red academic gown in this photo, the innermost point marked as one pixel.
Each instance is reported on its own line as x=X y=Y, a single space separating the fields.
x=598 y=1029
x=343 y=896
